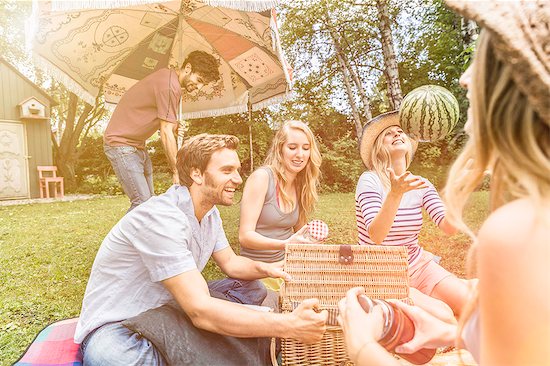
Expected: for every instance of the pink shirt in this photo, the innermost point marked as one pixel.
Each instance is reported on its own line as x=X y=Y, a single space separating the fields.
x=408 y=220
x=138 y=114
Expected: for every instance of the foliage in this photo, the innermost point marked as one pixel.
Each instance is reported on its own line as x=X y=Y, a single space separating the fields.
x=237 y=124
x=12 y=39
x=47 y=250
x=74 y=119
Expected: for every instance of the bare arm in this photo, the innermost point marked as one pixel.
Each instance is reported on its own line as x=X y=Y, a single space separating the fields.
x=447 y=227
x=243 y=268
x=514 y=283
x=168 y=131
x=252 y=203
x=223 y=317
x=383 y=221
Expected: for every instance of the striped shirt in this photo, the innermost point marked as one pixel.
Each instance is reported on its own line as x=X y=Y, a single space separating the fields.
x=408 y=220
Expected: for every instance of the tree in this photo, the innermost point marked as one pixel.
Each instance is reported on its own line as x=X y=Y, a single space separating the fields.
x=74 y=119
x=391 y=71
x=346 y=46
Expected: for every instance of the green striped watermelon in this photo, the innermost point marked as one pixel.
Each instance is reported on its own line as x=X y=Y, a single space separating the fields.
x=429 y=113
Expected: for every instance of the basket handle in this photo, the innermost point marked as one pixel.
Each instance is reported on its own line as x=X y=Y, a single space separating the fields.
x=273 y=352
x=345 y=254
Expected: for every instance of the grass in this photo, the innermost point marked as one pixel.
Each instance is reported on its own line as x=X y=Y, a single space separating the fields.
x=47 y=250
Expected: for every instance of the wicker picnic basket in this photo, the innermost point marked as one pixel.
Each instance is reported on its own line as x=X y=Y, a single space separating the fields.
x=326 y=272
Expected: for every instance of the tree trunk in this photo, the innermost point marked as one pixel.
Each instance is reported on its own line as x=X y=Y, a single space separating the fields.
x=349 y=91
x=347 y=71
x=354 y=76
x=250 y=135
x=391 y=71
x=66 y=149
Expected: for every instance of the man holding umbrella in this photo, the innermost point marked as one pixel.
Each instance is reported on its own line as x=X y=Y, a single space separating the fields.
x=151 y=105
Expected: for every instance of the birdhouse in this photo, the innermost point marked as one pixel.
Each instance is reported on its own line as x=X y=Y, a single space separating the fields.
x=25 y=135
x=32 y=108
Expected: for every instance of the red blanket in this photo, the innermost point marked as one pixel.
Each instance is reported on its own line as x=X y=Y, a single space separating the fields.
x=54 y=345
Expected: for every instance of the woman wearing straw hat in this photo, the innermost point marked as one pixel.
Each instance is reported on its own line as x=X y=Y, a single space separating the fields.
x=279 y=196
x=389 y=202
x=506 y=322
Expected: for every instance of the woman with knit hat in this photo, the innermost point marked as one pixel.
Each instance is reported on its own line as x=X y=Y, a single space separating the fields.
x=506 y=322
x=389 y=202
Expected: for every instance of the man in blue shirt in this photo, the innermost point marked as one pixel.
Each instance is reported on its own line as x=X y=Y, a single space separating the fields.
x=156 y=254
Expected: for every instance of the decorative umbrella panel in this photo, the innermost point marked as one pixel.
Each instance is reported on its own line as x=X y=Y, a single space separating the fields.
x=111 y=49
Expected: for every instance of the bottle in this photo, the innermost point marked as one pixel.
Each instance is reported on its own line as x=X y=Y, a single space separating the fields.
x=398 y=329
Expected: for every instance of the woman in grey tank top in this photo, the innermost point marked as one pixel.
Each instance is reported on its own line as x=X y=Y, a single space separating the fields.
x=279 y=196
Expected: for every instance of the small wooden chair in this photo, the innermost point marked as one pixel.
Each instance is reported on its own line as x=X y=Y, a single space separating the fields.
x=47 y=175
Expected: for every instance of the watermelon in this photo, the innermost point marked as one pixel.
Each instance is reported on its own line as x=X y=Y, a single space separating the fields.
x=429 y=113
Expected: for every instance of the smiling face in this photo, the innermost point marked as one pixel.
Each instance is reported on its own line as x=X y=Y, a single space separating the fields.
x=191 y=81
x=296 y=151
x=395 y=141
x=221 y=177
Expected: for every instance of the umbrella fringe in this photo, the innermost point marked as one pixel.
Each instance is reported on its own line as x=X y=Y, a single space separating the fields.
x=215 y=112
x=273 y=100
x=66 y=5
x=61 y=77
x=245 y=5
x=238 y=108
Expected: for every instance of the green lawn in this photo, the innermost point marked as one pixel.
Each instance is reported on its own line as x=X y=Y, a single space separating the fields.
x=47 y=250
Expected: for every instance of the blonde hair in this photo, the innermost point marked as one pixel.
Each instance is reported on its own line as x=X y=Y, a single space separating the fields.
x=307 y=181
x=197 y=151
x=380 y=158
x=509 y=139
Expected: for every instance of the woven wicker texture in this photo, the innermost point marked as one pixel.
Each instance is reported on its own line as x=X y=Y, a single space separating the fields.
x=316 y=272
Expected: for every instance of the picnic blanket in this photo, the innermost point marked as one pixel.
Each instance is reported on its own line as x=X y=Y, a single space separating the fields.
x=53 y=346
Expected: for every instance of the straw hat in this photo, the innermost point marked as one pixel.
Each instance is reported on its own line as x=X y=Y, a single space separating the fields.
x=520 y=32
x=373 y=128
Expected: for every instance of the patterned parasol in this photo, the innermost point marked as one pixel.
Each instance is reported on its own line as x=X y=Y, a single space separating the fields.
x=109 y=45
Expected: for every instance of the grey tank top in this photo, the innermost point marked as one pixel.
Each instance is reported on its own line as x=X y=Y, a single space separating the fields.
x=272 y=223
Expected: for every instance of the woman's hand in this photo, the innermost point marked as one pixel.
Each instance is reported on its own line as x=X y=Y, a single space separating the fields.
x=405 y=182
x=430 y=331
x=301 y=237
x=359 y=327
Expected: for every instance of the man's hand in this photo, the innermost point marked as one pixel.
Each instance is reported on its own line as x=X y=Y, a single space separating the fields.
x=276 y=270
x=308 y=325
x=405 y=182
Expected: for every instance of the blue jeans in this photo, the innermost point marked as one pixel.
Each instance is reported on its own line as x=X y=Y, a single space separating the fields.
x=134 y=171
x=239 y=291
x=114 y=344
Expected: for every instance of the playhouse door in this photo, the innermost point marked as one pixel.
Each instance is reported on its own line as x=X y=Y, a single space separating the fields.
x=14 y=182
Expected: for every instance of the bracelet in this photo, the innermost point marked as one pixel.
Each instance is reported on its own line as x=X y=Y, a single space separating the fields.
x=363 y=346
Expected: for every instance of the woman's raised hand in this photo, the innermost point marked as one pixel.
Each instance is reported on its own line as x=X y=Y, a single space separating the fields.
x=405 y=182
x=301 y=237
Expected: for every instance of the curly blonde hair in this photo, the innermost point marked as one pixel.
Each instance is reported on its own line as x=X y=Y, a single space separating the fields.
x=307 y=181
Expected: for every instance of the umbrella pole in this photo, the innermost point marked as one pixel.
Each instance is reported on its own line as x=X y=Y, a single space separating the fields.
x=250 y=135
